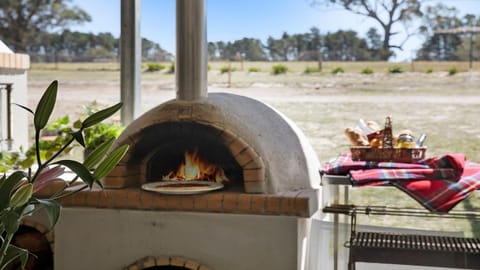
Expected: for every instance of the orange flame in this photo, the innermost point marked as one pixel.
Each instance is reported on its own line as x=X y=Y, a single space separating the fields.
x=195 y=169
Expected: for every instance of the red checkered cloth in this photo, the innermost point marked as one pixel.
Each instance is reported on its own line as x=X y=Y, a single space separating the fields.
x=437 y=183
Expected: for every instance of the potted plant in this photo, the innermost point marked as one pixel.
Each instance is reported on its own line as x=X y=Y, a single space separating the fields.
x=18 y=188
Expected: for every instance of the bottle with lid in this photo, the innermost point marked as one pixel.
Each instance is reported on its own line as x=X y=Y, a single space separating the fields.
x=406 y=141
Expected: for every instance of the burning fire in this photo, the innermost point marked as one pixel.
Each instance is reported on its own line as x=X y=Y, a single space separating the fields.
x=194 y=169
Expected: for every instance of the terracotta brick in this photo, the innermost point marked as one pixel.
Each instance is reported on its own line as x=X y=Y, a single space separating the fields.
x=120 y=198
x=92 y=198
x=287 y=206
x=133 y=198
x=306 y=203
x=253 y=175
x=177 y=261
x=258 y=203
x=116 y=182
x=215 y=202
x=28 y=223
x=146 y=200
x=174 y=202
x=192 y=265
x=230 y=202
x=79 y=198
x=244 y=202
x=66 y=201
x=148 y=262
x=302 y=206
x=187 y=203
x=245 y=156
x=273 y=205
x=123 y=170
x=200 y=202
x=159 y=202
x=50 y=237
x=228 y=137
x=163 y=261
x=255 y=187
x=106 y=199
x=255 y=163
x=133 y=267
x=237 y=146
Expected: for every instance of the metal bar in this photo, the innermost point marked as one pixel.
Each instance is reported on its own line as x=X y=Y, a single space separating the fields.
x=9 y=116
x=191 y=53
x=130 y=60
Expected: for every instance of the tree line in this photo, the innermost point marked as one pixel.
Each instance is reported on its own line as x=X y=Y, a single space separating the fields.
x=41 y=29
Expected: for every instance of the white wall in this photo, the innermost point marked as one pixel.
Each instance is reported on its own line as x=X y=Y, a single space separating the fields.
x=112 y=239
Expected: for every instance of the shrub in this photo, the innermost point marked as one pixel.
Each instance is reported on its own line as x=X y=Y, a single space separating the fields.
x=253 y=69
x=279 y=69
x=452 y=71
x=367 y=71
x=171 y=69
x=429 y=70
x=395 y=69
x=337 y=70
x=309 y=70
x=226 y=69
x=151 y=67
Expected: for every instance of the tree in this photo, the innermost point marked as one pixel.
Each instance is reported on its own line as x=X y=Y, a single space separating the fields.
x=438 y=46
x=387 y=13
x=21 y=21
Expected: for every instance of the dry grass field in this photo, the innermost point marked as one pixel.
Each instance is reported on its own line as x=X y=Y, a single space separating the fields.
x=445 y=107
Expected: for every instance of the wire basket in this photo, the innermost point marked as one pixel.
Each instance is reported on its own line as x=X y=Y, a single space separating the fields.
x=388 y=152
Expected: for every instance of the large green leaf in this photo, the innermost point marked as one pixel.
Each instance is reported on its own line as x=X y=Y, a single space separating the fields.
x=100 y=115
x=79 y=170
x=14 y=252
x=45 y=106
x=107 y=165
x=52 y=208
x=98 y=154
x=7 y=186
x=11 y=220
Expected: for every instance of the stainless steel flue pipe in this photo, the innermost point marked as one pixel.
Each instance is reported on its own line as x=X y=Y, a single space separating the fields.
x=191 y=53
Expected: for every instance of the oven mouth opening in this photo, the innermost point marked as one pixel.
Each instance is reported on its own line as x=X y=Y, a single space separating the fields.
x=196 y=150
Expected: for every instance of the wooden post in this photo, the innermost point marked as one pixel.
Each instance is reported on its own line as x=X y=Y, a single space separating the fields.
x=130 y=60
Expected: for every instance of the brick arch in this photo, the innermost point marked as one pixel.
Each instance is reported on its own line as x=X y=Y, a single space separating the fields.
x=41 y=229
x=254 y=179
x=181 y=262
x=253 y=167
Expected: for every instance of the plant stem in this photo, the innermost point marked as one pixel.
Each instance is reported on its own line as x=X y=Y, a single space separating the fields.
x=69 y=193
x=3 y=250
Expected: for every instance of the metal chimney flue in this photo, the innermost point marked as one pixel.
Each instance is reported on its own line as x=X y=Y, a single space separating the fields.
x=191 y=53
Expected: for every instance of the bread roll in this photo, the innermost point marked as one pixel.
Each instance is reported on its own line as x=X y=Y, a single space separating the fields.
x=356 y=137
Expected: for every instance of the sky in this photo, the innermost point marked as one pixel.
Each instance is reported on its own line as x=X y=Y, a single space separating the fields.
x=229 y=20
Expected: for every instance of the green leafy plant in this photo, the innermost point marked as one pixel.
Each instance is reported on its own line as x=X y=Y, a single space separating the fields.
x=254 y=69
x=279 y=69
x=337 y=70
x=395 y=69
x=226 y=69
x=429 y=70
x=152 y=67
x=367 y=71
x=452 y=71
x=309 y=70
x=101 y=132
x=18 y=188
